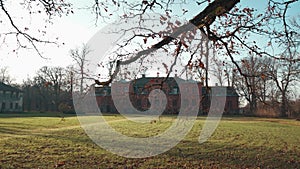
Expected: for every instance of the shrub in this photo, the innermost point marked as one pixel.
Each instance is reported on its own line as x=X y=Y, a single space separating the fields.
x=65 y=108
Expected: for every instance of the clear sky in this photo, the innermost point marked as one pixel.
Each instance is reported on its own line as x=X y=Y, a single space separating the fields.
x=72 y=30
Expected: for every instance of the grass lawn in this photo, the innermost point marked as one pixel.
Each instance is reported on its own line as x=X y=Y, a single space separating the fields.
x=35 y=140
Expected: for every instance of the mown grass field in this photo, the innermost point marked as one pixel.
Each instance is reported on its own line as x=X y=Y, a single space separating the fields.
x=36 y=140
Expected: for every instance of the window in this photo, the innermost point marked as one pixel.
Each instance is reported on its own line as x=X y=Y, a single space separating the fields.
x=174 y=102
x=105 y=92
x=37 y=106
x=17 y=106
x=156 y=102
x=11 y=105
x=125 y=89
x=135 y=90
x=185 y=102
x=139 y=103
x=3 y=106
x=146 y=102
x=8 y=94
x=142 y=90
x=13 y=94
x=175 y=90
x=229 y=104
x=193 y=101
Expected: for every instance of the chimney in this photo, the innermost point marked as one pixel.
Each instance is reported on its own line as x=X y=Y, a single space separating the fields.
x=157 y=74
x=217 y=84
x=175 y=74
x=143 y=75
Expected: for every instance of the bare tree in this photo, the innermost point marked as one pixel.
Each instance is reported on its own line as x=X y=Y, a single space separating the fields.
x=79 y=55
x=253 y=87
x=284 y=73
x=220 y=70
x=5 y=76
x=229 y=27
x=204 y=20
x=29 y=94
x=51 y=81
x=24 y=36
x=286 y=66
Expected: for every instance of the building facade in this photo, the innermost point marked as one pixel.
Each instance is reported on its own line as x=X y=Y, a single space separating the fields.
x=11 y=99
x=137 y=93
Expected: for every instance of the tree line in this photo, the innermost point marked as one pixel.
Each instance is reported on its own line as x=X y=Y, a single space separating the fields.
x=270 y=91
x=270 y=87
x=51 y=88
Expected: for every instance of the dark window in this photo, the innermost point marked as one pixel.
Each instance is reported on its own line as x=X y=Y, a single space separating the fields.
x=142 y=90
x=11 y=105
x=17 y=106
x=185 y=102
x=139 y=103
x=193 y=102
x=156 y=102
x=229 y=105
x=104 y=92
x=108 y=108
x=135 y=90
x=174 y=90
x=174 y=102
x=145 y=102
x=8 y=94
x=3 y=106
x=125 y=89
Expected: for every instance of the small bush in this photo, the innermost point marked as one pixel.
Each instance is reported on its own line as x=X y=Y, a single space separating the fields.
x=295 y=109
x=65 y=108
x=266 y=110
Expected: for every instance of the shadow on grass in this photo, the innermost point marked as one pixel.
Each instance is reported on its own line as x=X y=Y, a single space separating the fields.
x=48 y=114
x=233 y=155
x=234 y=146
x=190 y=154
x=35 y=114
x=75 y=147
x=18 y=129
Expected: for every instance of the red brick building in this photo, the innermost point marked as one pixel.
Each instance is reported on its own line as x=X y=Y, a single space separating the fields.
x=138 y=92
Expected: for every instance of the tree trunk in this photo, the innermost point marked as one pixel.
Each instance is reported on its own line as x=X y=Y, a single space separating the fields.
x=207 y=62
x=284 y=105
x=81 y=80
x=253 y=104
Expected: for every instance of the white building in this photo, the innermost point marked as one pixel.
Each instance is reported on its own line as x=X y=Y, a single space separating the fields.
x=11 y=98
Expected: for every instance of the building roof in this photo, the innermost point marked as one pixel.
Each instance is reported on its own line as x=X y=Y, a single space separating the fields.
x=170 y=81
x=141 y=82
x=230 y=91
x=103 y=91
x=5 y=87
